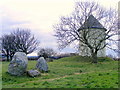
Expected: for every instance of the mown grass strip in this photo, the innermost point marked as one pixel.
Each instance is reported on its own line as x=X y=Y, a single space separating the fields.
x=52 y=79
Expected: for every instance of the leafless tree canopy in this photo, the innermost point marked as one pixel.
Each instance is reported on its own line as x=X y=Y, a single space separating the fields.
x=67 y=30
x=19 y=40
x=8 y=47
x=24 y=40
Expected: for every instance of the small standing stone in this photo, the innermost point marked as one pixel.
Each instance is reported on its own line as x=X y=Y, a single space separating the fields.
x=18 y=65
x=33 y=73
x=42 y=65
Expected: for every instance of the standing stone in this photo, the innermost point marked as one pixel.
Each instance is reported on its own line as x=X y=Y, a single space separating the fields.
x=42 y=65
x=18 y=65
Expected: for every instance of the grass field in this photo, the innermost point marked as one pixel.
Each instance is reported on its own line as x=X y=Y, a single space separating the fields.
x=70 y=72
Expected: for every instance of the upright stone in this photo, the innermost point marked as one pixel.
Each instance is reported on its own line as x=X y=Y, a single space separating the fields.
x=42 y=65
x=18 y=65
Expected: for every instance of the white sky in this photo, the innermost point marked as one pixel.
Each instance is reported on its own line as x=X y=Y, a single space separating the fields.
x=39 y=16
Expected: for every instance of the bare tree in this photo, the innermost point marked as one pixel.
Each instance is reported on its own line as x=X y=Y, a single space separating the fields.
x=68 y=30
x=19 y=40
x=46 y=52
x=24 y=40
x=8 y=46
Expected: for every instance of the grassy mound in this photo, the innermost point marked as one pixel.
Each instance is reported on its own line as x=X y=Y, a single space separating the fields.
x=104 y=59
x=76 y=59
x=85 y=59
x=69 y=72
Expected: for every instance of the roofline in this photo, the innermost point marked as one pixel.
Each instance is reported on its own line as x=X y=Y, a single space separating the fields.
x=92 y=28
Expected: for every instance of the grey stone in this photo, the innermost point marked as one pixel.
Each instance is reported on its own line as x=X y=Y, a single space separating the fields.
x=42 y=65
x=33 y=73
x=18 y=65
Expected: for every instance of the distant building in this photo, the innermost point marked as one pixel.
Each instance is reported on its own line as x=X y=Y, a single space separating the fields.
x=96 y=29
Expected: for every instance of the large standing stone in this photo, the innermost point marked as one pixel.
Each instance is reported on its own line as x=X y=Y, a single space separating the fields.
x=18 y=65
x=42 y=65
x=33 y=73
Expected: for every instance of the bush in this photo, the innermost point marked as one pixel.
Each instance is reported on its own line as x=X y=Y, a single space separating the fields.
x=46 y=52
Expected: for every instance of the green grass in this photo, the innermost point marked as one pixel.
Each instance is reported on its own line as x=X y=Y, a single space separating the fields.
x=70 y=72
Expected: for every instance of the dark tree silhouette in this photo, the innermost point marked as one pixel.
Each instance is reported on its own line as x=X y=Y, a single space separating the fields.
x=24 y=40
x=19 y=40
x=8 y=46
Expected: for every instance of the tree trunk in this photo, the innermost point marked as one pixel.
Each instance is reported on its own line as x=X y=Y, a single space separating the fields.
x=7 y=57
x=11 y=57
x=94 y=57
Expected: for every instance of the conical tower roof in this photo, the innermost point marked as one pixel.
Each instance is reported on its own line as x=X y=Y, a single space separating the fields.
x=90 y=23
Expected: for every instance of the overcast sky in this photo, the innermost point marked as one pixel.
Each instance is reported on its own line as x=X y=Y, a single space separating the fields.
x=39 y=16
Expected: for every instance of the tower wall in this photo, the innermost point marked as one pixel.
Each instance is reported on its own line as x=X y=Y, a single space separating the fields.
x=94 y=36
